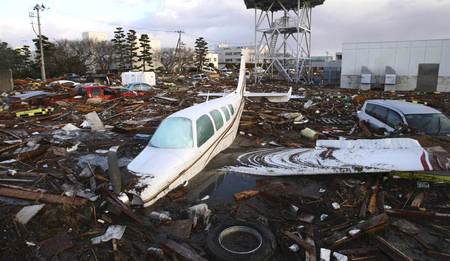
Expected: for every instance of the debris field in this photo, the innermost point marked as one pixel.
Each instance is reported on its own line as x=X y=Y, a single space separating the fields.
x=63 y=161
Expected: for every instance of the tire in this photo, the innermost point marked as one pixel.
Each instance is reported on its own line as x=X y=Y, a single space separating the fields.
x=264 y=252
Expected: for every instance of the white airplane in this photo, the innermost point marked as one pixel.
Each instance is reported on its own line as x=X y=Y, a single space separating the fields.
x=186 y=141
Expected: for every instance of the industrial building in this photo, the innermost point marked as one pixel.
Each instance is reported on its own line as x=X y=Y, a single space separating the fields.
x=420 y=65
x=230 y=56
x=326 y=70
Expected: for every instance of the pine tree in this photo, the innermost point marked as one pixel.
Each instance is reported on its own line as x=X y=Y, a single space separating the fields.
x=120 y=49
x=146 y=56
x=201 y=49
x=132 y=48
x=49 y=56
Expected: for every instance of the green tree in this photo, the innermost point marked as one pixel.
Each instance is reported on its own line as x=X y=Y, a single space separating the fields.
x=132 y=49
x=120 y=51
x=24 y=63
x=146 y=56
x=201 y=49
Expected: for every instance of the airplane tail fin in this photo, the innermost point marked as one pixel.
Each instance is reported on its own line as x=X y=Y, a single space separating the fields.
x=242 y=78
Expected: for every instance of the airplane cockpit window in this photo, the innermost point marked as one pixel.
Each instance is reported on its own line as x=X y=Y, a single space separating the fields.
x=173 y=133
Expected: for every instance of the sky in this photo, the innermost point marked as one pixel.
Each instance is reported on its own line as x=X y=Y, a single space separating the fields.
x=333 y=23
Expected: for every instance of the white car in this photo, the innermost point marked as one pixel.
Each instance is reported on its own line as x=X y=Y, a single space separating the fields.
x=391 y=115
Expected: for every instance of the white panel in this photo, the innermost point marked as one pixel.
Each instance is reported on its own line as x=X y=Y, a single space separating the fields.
x=349 y=63
x=433 y=54
x=417 y=56
x=377 y=62
x=434 y=43
x=362 y=59
x=388 y=55
x=444 y=68
x=402 y=61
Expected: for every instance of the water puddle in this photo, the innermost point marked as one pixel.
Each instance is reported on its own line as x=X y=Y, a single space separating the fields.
x=219 y=186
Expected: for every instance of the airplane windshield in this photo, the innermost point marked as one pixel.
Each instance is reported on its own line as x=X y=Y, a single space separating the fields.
x=173 y=133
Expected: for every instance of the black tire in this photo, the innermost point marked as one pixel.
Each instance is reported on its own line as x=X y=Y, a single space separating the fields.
x=264 y=253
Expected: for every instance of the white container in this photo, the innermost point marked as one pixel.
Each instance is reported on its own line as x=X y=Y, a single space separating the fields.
x=139 y=77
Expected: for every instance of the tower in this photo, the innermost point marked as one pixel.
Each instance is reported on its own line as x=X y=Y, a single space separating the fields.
x=283 y=38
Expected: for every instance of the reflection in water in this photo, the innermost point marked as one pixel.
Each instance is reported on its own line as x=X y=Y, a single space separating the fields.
x=219 y=185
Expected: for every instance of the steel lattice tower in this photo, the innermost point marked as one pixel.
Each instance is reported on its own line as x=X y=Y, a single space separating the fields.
x=283 y=38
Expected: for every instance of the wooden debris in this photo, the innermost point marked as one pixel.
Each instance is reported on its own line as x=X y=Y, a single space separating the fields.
x=417 y=201
x=303 y=243
x=42 y=197
x=185 y=253
x=391 y=250
x=245 y=194
x=418 y=214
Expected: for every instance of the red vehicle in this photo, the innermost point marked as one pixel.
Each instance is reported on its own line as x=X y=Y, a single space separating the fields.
x=104 y=92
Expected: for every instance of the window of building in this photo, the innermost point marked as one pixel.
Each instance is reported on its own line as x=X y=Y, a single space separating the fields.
x=228 y=53
x=237 y=53
x=225 y=111
x=173 y=133
x=205 y=130
x=228 y=60
x=231 y=108
x=217 y=117
x=238 y=60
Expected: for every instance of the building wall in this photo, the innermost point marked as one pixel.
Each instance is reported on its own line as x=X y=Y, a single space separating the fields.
x=231 y=55
x=403 y=56
x=95 y=36
x=212 y=58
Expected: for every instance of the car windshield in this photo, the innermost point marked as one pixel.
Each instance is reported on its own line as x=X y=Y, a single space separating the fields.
x=432 y=124
x=173 y=133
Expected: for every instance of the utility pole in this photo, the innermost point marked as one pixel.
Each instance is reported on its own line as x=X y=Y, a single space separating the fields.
x=178 y=49
x=39 y=8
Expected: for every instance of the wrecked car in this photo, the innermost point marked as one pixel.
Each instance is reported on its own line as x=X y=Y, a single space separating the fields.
x=392 y=115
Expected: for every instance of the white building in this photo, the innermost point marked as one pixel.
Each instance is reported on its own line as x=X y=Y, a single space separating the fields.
x=422 y=65
x=212 y=58
x=231 y=55
x=94 y=36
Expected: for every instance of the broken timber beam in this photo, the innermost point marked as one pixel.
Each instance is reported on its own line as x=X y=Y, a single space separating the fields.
x=181 y=250
x=391 y=250
x=418 y=214
x=41 y=196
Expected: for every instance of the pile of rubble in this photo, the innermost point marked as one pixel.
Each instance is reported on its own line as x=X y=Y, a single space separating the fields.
x=63 y=171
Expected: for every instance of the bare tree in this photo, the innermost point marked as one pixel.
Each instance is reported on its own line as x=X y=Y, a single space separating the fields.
x=73 y=56
x=103 y=54
x=177 y=61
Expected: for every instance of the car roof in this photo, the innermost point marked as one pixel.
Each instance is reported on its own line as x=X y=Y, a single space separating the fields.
x=405 y=107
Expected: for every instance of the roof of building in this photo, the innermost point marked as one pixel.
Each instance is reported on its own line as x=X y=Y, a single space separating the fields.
x=288 y=4
x=405 y=107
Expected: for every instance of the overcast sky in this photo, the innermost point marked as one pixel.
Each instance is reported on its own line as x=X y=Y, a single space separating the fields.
x=335 y=22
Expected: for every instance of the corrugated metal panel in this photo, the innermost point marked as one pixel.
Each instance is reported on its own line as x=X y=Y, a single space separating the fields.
x=402 y=56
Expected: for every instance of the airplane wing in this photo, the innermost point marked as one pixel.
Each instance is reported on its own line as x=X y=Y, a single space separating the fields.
x=271 y=96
